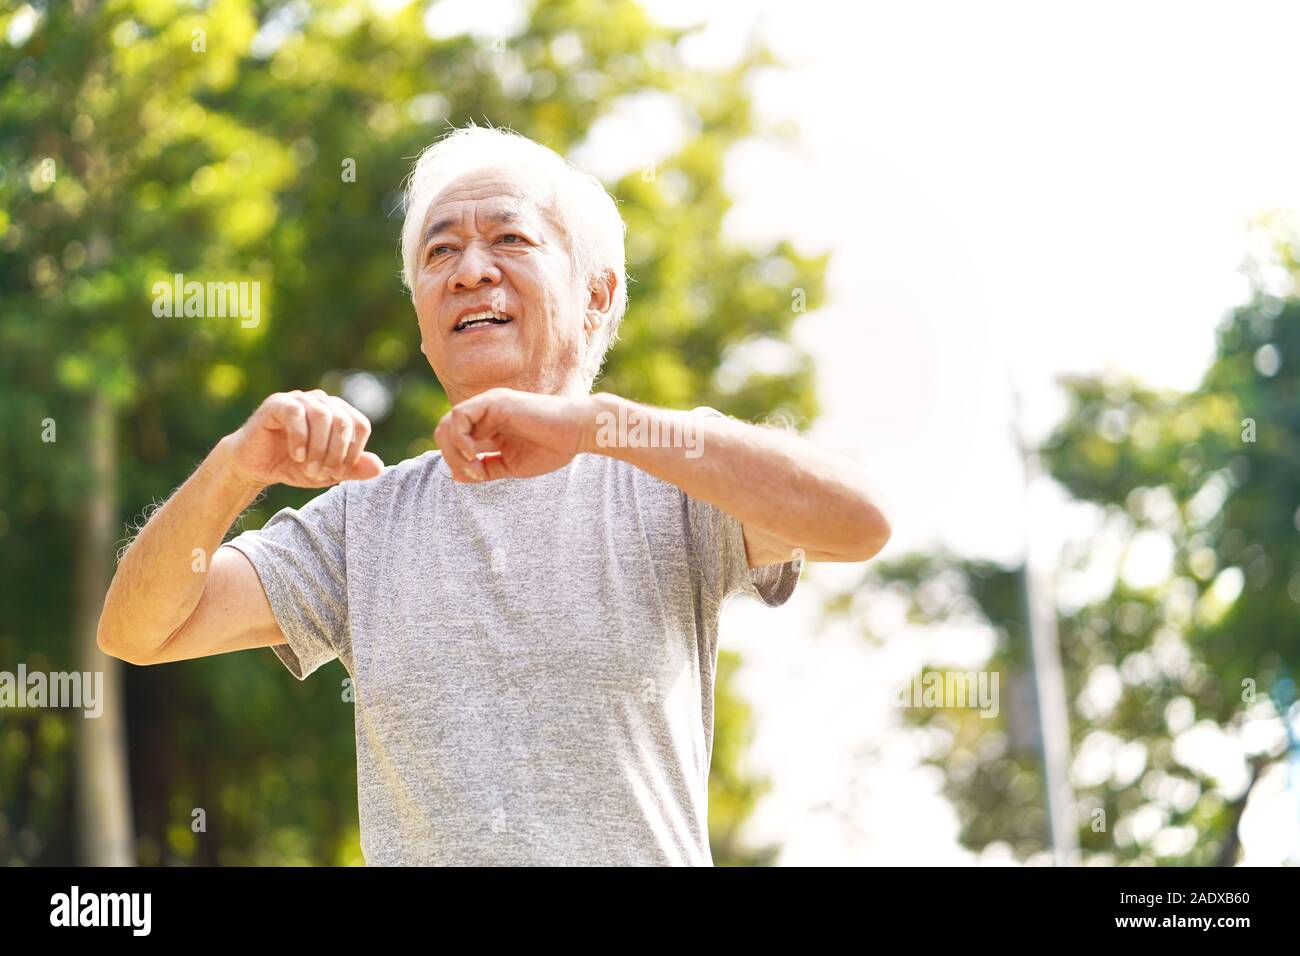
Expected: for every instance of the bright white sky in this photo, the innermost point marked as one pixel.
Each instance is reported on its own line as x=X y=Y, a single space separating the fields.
x=1009 y=191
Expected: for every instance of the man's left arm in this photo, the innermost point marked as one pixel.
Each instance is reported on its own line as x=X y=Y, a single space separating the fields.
x=786 y=491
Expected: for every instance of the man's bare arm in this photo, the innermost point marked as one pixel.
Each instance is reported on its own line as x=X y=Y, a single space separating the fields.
x=158 y=608
x=787 y=492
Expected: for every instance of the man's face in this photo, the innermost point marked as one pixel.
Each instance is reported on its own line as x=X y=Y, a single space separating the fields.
x=486 y=245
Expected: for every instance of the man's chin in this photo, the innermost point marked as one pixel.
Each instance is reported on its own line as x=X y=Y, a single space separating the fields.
x=485 y=371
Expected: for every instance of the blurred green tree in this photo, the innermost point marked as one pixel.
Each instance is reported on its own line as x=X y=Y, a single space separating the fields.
x=1211 y=478
x=268 y=141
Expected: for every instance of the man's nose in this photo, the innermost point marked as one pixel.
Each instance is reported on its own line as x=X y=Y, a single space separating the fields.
x=475 y=268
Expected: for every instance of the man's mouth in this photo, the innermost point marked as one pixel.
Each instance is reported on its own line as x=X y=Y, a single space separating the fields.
x=487 y=317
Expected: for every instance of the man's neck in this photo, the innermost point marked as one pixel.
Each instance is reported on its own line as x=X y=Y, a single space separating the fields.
x=573 y=386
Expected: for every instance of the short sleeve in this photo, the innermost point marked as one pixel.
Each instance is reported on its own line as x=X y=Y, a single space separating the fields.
x=718 y=548
x=300 y=557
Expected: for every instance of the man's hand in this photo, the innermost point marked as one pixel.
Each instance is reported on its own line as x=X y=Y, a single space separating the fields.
x=304 y=439
x=518 y=434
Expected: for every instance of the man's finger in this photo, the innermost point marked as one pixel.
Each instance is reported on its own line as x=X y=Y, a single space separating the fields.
x=462 y=428
x=286 y=413
x=360 y=435
x=340 y=440
x=494 y=467
x=368 y=465
x=462 y=443
x=320 y=422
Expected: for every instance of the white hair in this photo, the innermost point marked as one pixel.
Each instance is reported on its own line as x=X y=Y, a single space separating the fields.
x=578 y=202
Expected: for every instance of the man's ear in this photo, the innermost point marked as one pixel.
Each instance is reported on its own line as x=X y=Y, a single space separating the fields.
x=600 y=300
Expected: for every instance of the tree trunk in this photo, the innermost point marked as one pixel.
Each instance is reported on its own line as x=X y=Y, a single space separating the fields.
x=104 y=828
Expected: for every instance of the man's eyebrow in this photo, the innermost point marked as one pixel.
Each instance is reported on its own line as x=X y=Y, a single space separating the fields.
x=506 y=216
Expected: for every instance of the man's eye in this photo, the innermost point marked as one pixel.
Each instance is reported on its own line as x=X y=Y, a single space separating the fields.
x=434 y=250
x=512 y=235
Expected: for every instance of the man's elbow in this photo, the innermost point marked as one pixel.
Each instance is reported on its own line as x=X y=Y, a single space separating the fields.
x=872 y=536
x=108 y=643
x=113 y=646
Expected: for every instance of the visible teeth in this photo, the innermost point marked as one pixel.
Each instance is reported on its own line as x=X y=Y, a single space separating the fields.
x=476 y=318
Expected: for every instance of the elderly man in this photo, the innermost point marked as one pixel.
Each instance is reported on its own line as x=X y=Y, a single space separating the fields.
x=529 y=616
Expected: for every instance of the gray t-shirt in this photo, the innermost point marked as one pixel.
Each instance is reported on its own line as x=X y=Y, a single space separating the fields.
x=532 y=659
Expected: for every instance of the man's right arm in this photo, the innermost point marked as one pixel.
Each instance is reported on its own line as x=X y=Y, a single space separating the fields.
x=158 y=608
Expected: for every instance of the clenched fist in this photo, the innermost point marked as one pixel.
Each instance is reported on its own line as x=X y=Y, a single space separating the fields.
x=304 y=439
x=505 y=433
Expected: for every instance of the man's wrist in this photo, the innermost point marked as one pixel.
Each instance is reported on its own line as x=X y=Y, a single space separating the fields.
x=228 y=475
x=602 y=416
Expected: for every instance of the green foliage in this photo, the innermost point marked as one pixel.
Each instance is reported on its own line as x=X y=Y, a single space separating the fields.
x=1217 y=472
x=180 y=144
